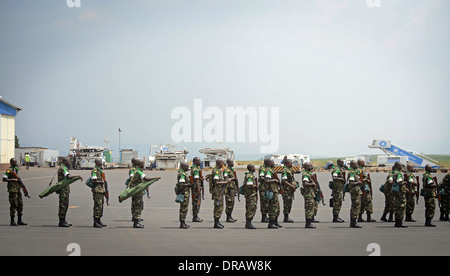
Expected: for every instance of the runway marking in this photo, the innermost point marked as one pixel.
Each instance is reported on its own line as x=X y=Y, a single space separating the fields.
x=34 y=178
x=74 y=207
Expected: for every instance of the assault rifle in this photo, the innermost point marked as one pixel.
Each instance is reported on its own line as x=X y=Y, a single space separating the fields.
x=25 y=191
x=106 y=195
x=314 y=178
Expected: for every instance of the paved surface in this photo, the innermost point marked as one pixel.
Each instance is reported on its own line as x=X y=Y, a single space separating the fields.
x=162 y=237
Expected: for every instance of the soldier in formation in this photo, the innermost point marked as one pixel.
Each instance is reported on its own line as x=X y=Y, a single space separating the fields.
x=251 y=196
x=197 y=188
x=15 y=184
x=99 y=191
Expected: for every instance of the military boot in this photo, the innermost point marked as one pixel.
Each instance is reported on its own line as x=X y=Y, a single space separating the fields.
x=97 y=223
x=360 y=219
x=272 y=225
x=196 y=219
x=428 y=223
x=19 y=220
x=63 y=223
x=13 y=223
x=354 y=224
x=446 y=217
x=391 y=217
x=337 y=219
x=136 y=224
x=314 y=220
x=309 y=224
x=101 y=223
x=264 y=218
x=248 y=224
x=399 y=224
x=383 y=218
x=369 y=218
x=277 y=224
x=409 y=218
x=230 y=218
x=287 y=219
x=217 y=224
x=442 y=217
x=183 y=225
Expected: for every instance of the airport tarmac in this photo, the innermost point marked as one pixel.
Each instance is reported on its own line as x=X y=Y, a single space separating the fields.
x=162 y=236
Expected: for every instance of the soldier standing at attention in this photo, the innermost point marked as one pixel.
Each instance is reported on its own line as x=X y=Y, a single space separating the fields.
x=15 y=197
x=410 y=196
x=366 y=199
x=196 y=173
x=355 y=193
x=399 y=192
x=98 y=192
x=262 y=189
x=251 y=196
x=389 y=197
x=429 y=194
x=183 y=187
x=309 y=193
x=289 y=187
x=137 y=201
x=272 y=185
x=218 y=183
x=63 y=173
x=445 y=202
x=338 y=190
x=230 y=189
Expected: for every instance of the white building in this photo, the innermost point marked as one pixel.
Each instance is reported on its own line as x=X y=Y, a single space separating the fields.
x=8 y=113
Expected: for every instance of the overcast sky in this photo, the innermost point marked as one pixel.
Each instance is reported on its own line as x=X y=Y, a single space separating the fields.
x=342 y=73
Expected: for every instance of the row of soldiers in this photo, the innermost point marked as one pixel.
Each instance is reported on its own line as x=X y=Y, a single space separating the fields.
x=401 y=192
x=97 y=182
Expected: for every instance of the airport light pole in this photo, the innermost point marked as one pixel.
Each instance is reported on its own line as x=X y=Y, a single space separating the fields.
x=120 y=157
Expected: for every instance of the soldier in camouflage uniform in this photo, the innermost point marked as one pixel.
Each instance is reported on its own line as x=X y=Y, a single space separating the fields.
x=429 y=194
x=98 y=192
x=251 y=196
x=183 y=187
x=366 y=199
x=197 y=188
x=354 y=184
x=63 y=173
x=218 y=187
x=445 y=202
x=399 y=191
x=272 y=184
x=136 y=200
x=338 y=190
x=230 y=189
x=389 y=198
x=309 y=193
x=15 y=197
x=289 y=187
x=411 y=185
x=262 y=189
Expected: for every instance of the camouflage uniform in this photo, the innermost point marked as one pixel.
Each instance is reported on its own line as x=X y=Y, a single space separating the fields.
x=262 y=189
x=309 y=193
x=251 y=195
x=217 y=176
x=355 y=193
x=196 y=195
x=288 y=195
x=98 y=192
x=64 y=193
x=230 y=190
x=410 y=197
x=274 y=203
x=429 y=194
x=445 y=202
x=399 y=196
x=338 y=190
x=183 y=188
x=137 y=201
x=15 y=196
x=366 y=200
x=389 y=197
